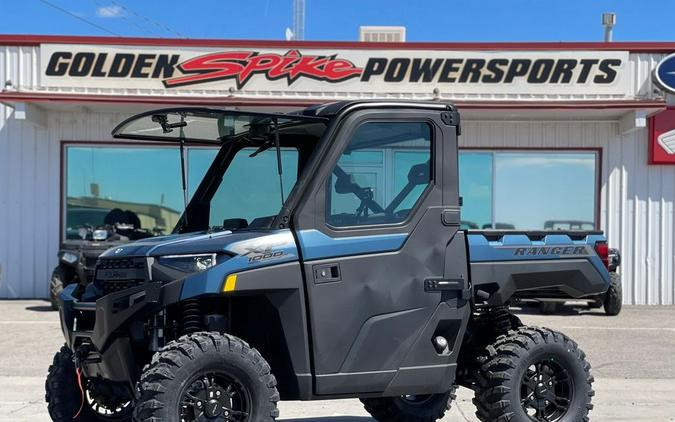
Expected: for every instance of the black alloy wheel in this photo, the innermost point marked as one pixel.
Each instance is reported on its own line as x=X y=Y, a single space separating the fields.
x=215 y=397
x=546 y=391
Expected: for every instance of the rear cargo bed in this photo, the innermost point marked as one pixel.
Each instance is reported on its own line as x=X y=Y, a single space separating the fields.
x=507 y=264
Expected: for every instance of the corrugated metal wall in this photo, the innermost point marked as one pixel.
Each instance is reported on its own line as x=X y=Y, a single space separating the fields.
x=29 y=194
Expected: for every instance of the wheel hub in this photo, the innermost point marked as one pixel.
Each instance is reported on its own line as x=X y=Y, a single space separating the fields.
x=541 y=391
x=546 y=391
x=214 y=398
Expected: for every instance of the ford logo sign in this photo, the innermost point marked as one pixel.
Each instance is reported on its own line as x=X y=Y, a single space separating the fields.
x=665 y=73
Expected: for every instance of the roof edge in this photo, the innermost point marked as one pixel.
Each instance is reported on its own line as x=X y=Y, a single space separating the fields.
x=638 y=46
x=31 y=97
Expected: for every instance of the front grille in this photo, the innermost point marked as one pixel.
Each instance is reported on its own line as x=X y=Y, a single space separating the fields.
x=117 y=274
x=118 y=286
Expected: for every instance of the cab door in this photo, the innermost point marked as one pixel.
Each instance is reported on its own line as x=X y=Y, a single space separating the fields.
x=378 y=227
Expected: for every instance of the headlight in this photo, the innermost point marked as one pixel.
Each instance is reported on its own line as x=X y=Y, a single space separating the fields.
x=189 y=263
x=69 y=257
x=100 y=235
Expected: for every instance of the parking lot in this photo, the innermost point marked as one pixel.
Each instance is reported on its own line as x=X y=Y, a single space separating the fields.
x=633 y=358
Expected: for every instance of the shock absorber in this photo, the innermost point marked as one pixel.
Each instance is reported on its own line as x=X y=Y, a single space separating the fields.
x=191 y=317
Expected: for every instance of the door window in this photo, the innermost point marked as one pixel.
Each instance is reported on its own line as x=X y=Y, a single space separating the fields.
x=381 y=175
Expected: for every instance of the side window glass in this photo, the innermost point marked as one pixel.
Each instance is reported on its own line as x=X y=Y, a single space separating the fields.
x=381 y=174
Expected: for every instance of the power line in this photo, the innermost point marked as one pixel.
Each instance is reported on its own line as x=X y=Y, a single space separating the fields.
x=125 y=19
x=69 y=13
x=148 y=20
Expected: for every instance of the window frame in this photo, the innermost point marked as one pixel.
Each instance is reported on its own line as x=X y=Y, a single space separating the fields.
x=425 y=193
x=63 y=163
x=597 y=188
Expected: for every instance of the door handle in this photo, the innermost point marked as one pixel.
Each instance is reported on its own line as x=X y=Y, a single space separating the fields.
x=326 y=273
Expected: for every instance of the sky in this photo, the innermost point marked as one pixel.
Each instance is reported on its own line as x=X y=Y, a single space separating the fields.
x=430 y=20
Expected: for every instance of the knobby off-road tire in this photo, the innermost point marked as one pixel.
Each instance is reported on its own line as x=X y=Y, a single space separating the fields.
x=56 y=285
x=511 y=366
x=63 y=395
x=427 y=408
x=173 y=381
x=614 y=296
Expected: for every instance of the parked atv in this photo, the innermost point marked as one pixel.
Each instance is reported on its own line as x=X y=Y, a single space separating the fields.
x=84 y=244
x=611 y=301
x=291 y=276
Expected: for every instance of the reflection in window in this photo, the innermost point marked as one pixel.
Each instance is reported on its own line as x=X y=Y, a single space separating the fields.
x=528 y=190
x=475 y=187
x=545 y=190
x=137 y=189
x=380 y=176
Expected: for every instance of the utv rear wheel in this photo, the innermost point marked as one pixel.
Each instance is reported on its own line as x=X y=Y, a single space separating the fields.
x=412 y=408
x=65 y=401
x=614 y=296
x=534 y=374
x=204 y=377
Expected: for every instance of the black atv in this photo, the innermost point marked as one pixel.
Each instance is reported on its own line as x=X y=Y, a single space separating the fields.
x=85 y=242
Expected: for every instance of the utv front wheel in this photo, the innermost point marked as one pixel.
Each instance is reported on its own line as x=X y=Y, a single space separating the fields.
x=412 y=408
x=534 y=374
x=207 y=376
x=67 y=403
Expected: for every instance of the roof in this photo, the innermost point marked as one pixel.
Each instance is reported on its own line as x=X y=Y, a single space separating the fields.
x=641 y=47
x=333 y=108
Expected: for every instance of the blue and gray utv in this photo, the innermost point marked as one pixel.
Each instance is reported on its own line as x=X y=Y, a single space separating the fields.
x=294 y=274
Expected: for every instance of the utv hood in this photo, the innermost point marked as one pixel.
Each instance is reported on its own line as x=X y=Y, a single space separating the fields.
x=224 y=242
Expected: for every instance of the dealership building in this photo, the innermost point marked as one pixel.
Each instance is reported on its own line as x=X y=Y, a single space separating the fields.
x=554 y=135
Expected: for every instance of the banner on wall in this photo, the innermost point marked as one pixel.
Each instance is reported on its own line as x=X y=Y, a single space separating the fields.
x=315 y=70
x=662 y=137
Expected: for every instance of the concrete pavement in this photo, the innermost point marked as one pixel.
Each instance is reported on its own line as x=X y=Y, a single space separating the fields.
x=633 y=358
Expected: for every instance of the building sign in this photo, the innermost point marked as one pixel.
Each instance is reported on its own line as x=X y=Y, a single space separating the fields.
x=664 y=74
x=662 y=137
x=339 y=71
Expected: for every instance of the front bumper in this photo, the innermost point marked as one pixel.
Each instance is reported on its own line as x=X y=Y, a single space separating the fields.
x=100 y=333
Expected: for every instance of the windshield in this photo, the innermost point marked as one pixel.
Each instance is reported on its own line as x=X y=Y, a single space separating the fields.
x=201 y=125
x=252 y=173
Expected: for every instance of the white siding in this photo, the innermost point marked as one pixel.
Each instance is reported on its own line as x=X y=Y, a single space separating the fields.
x=30 y=194
x=636 y=200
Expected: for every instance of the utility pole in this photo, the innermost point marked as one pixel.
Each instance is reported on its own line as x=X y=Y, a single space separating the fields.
x=299 y=20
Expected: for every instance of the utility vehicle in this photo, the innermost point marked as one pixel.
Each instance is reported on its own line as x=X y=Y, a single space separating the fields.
x=86 y=241
x=291 y=276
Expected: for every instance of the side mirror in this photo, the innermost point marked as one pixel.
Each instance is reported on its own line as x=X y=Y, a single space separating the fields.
x=419 y=174
x=345 y=184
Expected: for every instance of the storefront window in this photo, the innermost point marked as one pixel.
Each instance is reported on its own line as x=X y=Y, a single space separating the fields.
x=135 y=188
x=475 y=187
x=528 y=190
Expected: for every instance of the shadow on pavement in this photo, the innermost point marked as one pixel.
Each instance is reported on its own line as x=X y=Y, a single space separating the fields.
x=40 y=308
